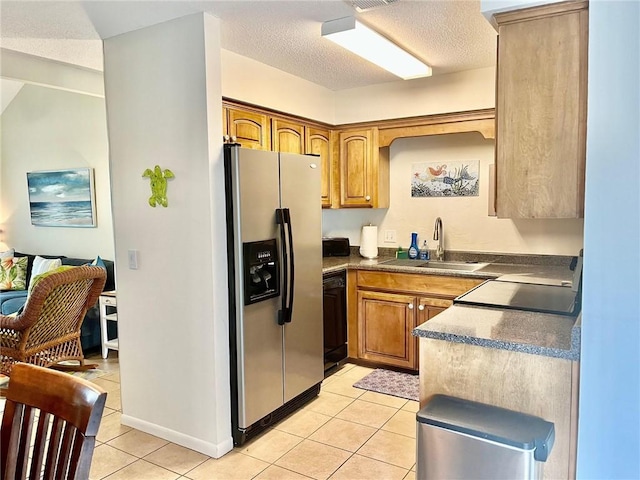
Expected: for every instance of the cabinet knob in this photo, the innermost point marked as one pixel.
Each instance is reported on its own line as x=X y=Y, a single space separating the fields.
x=367 y=198
x=420 y=307
x=410 y=306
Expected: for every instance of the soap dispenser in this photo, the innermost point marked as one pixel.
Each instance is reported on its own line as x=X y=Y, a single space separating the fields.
x=413 y=249
x=424 y=251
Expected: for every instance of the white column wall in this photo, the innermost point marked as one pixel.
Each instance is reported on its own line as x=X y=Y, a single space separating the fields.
x=609 y=418
x=163 y=108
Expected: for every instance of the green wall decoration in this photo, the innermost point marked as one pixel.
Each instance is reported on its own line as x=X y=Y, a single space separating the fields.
x=158 y=185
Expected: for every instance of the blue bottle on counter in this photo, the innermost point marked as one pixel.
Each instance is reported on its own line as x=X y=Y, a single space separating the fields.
x=413 y=249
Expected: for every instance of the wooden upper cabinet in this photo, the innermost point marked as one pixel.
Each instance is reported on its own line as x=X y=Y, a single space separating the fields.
x=354 y=158
x=287 y=136
x=541 y=111
x=364 y=179
x=318 y=142
x=251 y=129
x=356 y=163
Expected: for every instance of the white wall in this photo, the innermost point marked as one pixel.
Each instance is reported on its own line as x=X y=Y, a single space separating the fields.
x=254 y=82
x=491 y=7
x=163 y=104
x=609 y=421
x=50 y=129
x=40 y=71
x=467 y=226
x=8 y=90
x=456 y=92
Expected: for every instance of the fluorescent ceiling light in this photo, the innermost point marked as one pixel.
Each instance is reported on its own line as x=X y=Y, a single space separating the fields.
x=361 y=40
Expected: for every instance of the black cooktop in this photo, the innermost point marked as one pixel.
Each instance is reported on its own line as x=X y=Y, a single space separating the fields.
x=523 y=296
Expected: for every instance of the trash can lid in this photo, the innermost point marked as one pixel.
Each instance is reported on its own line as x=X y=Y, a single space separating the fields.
x=489 y=422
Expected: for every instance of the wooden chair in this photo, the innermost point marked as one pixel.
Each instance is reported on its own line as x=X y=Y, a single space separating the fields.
x=48 y=329
x=69 y=412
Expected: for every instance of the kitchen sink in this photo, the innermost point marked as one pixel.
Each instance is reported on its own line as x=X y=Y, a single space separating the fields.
x=460 y=266
x=466 y=266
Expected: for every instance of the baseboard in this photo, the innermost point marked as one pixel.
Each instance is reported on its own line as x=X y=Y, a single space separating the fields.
x=211 y=449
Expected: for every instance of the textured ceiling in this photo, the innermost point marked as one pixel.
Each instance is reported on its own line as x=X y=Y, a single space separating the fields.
x=449 y=35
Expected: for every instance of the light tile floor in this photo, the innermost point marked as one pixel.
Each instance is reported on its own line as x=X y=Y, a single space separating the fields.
x=345 y=433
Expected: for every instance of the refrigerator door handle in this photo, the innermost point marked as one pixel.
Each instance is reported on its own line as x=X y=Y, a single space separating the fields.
x=281 y=220
x=292 y=269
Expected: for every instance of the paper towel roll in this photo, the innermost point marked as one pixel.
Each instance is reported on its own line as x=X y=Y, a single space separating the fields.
x=369 y=241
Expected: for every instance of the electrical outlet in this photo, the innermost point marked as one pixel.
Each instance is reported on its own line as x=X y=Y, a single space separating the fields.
x=390 y=236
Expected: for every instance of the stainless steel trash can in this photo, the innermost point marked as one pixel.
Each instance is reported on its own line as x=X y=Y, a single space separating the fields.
x=461 y=439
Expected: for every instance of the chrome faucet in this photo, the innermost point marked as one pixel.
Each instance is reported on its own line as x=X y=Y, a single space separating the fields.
x=437 y=235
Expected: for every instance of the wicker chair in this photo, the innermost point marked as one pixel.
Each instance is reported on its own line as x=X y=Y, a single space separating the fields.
x=48 y=329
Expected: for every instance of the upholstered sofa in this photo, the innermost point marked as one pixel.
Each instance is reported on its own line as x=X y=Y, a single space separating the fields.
x=12 y=300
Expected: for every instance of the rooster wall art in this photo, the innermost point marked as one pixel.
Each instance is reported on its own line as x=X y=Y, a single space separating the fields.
x=455 y=179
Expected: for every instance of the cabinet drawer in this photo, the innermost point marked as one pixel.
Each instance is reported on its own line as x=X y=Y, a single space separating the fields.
x=416 y=283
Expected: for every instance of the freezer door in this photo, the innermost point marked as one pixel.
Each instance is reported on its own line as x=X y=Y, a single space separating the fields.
x=258 y=335
x=303 y=345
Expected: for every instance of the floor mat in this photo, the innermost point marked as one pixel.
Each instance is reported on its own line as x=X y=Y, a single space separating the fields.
x=403 y=385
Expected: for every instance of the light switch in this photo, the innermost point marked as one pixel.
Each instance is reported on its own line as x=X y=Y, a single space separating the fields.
x=133 y=259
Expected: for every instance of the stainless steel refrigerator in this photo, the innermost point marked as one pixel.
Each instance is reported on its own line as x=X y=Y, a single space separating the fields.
x=274 y=232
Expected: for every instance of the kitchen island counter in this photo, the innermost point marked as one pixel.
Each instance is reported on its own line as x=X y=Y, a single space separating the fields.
x=520 y=360
x=523 y=361
x=516 y=330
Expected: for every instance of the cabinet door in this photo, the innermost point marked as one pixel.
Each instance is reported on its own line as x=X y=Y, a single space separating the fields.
x=385 y=322
x=356 y=169
x=252 y=130
x=427 y=309
x=318 y=142
x=430 y=307
x=287 y=136
x=541 y=111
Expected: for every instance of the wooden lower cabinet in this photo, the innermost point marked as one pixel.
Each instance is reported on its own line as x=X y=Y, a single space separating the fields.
x=430 y=307
x=384 y=308
x=385 y=322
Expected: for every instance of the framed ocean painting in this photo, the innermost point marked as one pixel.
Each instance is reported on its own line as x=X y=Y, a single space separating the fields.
x=62 y=198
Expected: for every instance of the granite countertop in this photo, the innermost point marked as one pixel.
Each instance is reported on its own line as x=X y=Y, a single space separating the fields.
x=534 y=273
x=528 y=332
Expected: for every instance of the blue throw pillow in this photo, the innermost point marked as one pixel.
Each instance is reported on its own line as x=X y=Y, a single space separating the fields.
x=97 y=263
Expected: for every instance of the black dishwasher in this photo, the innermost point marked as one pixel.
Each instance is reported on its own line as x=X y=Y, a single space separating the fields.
x=334 y=306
